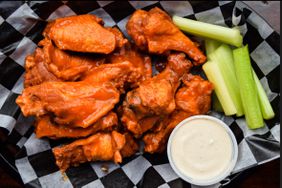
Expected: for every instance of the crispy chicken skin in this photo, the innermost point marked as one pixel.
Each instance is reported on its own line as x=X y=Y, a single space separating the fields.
x=78 y=104
x=155 y=32
x=191 y=99
x=36 y=71
x=98 y=147
x=82 y=33
x=154 y=96
x=44 y=127
x=67 y=66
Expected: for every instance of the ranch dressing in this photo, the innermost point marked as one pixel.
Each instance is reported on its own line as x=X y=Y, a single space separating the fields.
x=201 y=149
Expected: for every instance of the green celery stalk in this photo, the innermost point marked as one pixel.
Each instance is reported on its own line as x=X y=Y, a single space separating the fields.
x=213 y=73
x=211 y=46
x=247 y=86
x=224 y=34
x=223 y=57
x=265 y=106
x=216 y=104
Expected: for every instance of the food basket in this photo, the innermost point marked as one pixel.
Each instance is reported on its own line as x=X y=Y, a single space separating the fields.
x=31 y=159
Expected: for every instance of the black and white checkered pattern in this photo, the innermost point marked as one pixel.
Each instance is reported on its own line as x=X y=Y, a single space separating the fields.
x=21 y=24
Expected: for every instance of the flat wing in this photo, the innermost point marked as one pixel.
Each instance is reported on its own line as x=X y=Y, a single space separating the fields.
x=77 y=104
x=98 y=147
x=45 y=127
x=82 y=33
x=66 y=65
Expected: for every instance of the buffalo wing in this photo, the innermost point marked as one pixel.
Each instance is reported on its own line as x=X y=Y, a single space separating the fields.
x=141 y=62
x=45 y=127
x=65 y=65
x=78 y=104
x=98 y=147
x=154 y=31
x=83 y=33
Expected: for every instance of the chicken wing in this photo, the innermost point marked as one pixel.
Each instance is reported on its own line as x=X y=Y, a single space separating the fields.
x=65 y=65
x=155 y=96
x=118 y=74
x=82 y=33
x=36 y=71
x=44 y=127
x=154 y=31
x=78 y=104
x=195 y=96
x=141 y=62
x=192 y=99
x=98 y=147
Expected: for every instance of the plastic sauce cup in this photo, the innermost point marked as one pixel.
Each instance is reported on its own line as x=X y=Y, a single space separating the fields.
x=179 y=131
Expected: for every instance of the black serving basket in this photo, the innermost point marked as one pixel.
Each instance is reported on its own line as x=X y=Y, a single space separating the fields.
x=30 y=159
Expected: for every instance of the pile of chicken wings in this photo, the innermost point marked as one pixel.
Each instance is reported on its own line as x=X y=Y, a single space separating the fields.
x=89 y=83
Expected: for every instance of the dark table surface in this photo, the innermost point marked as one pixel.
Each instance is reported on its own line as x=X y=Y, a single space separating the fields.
x=266 y=175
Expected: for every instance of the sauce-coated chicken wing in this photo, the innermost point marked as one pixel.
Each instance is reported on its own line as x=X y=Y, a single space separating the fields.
x=118 y=74
x=65 y=65
x=78 y=104
x=140 y=62
x=44 y=127
x=82 y=33
x=195 y=96
x=154 y=31
x=98 y=147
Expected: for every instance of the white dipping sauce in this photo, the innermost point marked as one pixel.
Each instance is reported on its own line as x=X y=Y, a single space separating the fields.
x=201 y=149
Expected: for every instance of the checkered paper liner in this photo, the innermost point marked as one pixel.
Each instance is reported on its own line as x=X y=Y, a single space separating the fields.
x=21 y=25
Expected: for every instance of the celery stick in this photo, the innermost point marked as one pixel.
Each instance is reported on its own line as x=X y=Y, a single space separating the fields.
x=214 y=76
x=247 y=86
x=223 y=57
x=216 y=32
x=211 y=46
x=216 y=104
x=265 y=106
